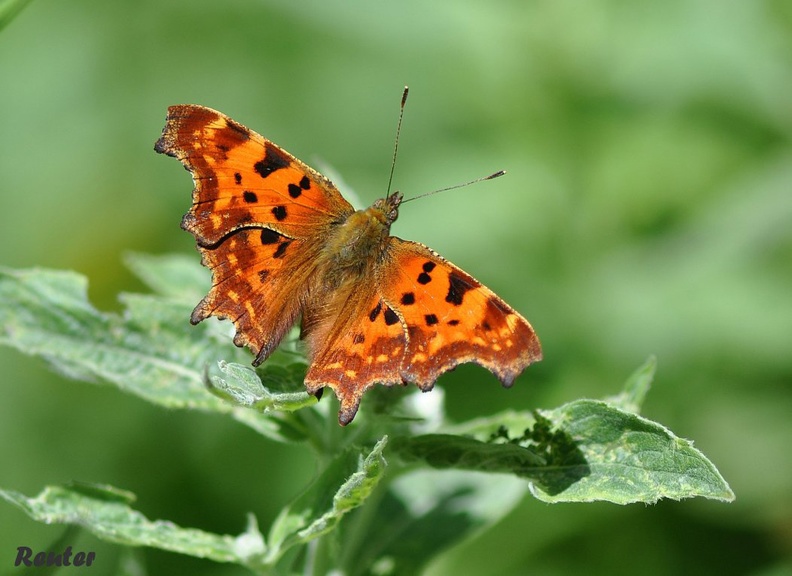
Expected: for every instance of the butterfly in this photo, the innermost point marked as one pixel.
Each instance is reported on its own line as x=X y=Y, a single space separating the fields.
x=283 y=244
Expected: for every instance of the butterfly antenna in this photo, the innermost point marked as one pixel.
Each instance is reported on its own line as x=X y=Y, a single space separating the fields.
x=396 y=144
x=490 y=177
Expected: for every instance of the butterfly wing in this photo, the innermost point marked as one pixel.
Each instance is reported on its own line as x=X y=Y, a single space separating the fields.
x=259 y=281
x=422 y=317
x=243 y=180
x=257 y=213
x=451 y=318
x=361 y=343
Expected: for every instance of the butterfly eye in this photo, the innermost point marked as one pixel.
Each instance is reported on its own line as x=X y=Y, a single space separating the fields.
x=394 y=201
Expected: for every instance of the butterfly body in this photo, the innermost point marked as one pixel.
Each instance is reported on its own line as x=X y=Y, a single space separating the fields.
x=361 y=240
x=283 y=244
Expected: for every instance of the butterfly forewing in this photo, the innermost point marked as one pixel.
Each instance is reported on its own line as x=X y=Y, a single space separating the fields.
x=451 y=318
x=258 y=216
x=242 y=179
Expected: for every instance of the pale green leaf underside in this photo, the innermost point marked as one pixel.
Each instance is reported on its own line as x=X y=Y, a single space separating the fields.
x=115 y=521
x=631 y=398
x=151 y=350
x=46 y=313
x=241 y=385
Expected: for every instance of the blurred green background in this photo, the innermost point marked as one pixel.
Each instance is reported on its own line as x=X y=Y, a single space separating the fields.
x=647 y=210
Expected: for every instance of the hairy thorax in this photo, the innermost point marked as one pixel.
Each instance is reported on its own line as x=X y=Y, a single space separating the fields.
x=356 y=244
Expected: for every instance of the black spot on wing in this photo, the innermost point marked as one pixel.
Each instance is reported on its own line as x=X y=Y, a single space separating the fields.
x=269 y=236
x=457 y=286
x=280 y=213
x=294 y=190
x=375 y=312
x=408 y=298
x=424 y=277
x=249 y=197
x=431 y=319
x=237 y=177
x=390 y=317
x=281 y=251
x=305 y=183
x=273 y=160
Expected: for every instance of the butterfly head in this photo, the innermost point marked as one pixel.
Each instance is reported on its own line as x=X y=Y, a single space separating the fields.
x=390 y=206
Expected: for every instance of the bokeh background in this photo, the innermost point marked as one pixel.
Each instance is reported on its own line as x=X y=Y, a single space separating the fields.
x=647 y=210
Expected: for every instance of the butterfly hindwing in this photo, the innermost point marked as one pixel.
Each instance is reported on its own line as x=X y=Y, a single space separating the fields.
x=259 y=281
x=361 y=344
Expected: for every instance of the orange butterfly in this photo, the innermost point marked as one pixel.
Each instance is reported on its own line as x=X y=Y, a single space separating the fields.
x=283 y=243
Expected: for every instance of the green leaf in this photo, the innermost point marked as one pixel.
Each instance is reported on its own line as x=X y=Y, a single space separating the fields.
x=242 y=386
x=100 y=511
x=47 y=313
x=104 y=492
x=343 y=486
x=630 y=459
x=465 y=453
x=151 y=351
x=9 y=9
x=106 y=512
x=583 y=451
